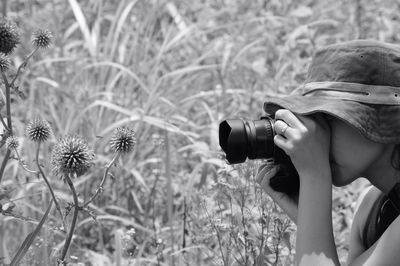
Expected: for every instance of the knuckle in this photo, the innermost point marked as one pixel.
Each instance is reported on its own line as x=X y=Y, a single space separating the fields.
x=285 y=112
x=289 y=149
x=296 y=138
x=281 y=113
x=304 y=131
x=277 y=124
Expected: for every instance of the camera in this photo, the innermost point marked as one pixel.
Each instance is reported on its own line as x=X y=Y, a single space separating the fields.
x=254 y=139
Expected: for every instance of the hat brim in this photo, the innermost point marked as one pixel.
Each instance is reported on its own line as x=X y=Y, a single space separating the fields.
x=379 y=123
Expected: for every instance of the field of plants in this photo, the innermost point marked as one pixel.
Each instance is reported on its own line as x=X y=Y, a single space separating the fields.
x=109 y=151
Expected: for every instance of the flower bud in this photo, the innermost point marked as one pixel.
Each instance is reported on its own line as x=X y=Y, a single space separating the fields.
x=9 y=36
x=12 y=142
x=42 y=38
x=123 y=140
x=71 y=156
x=38 y=130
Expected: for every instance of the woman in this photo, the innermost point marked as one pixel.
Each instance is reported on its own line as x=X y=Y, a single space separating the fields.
x=342 y=124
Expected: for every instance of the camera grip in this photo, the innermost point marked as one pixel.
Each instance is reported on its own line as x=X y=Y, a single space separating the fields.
x=286 y=180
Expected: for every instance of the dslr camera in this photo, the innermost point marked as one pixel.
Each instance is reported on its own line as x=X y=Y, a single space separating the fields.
x=254 y=139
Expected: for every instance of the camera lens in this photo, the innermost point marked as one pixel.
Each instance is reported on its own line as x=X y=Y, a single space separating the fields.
x=251 y=139
x=254 y=139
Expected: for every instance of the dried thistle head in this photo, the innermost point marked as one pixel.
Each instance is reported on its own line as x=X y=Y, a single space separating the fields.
x=71 y=156
x=12 y=142
x=4 y=62
x=9 y=36
x=123 y=140
x=38 y=130
x=42 y=38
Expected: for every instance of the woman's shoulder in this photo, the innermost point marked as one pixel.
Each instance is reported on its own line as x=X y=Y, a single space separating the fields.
x=367 y=198
x=364 y=205
x=365 y=202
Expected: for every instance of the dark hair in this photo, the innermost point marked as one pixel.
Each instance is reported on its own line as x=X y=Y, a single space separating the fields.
x=395 y=158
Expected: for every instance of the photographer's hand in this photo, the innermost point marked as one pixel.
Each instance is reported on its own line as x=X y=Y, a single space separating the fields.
x=307 y=141
x=287 y=203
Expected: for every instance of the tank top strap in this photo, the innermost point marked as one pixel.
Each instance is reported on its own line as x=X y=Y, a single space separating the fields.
x=382 y=214
x=370 y=235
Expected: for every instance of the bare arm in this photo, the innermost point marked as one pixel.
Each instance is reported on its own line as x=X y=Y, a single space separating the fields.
x=315 y=241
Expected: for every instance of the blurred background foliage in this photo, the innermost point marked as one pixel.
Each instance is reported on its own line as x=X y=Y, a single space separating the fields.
x=171 y=70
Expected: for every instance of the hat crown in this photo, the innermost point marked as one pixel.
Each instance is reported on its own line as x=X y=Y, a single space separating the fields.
x=362 y=61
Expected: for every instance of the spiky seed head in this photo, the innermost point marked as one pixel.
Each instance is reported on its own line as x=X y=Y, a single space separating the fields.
x=38 y=130
x=4 y=62
x=42 y=38
x=123 y=140
x=12 y=142
x=71 y=156
x=9 y=36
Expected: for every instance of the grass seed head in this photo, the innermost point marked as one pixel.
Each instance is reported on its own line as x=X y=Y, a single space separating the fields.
x=38 y=130
x=123 y=140
x=42 y=38
x=71 y=156
x=9 y=36
x=12 y=142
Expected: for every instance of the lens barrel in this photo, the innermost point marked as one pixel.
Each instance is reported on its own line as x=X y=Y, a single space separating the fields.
x=253 y=139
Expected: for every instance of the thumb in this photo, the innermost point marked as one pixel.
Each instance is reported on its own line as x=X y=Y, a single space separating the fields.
x=266 y=172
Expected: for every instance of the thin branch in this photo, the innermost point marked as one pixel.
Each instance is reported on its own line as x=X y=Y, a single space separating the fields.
x=9 y=124
x=4 y=163
x=23 y=165
x=5 y=2
x=3 y=122
x=49 y=186
x=8 y=102
x=23 y=64
x=103 y=180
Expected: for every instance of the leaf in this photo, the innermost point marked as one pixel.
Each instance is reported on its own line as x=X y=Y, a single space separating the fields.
x=302 y=12
x=81 y=20
x=30 y=238
x=118 y=234
x=98 y=259
x=286 y=240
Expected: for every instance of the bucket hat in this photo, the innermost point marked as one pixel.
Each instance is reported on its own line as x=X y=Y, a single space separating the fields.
x=355 y=81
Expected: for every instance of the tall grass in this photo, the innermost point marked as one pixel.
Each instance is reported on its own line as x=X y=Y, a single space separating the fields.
x=171 y=70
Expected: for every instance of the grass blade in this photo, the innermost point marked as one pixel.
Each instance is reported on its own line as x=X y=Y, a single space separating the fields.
x=29 y=239
x=170 y=210
x=81 y=20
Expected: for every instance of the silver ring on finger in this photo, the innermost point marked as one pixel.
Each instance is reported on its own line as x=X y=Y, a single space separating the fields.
x=283 y=130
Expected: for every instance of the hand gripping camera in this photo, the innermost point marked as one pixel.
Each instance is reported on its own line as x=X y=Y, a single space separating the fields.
x=254 y=139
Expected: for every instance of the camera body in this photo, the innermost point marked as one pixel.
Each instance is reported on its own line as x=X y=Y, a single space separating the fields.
x=254 y=139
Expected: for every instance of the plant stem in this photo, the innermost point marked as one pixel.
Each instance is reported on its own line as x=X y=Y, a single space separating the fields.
x=8 y=102
x=49 y=187
x=5 y=8
x=4 y=163
x=24 y=166
x=23 y=64
x=74 y=218
x=9 y=123
x=169 y=195
x=3 y=122
x=101 y=186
